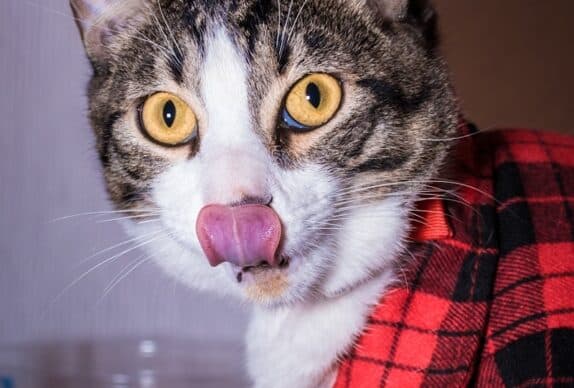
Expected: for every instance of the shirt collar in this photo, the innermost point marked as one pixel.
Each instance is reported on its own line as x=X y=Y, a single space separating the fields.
x=434 y=224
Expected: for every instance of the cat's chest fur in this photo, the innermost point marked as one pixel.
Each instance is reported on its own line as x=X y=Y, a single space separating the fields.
x=300 y=346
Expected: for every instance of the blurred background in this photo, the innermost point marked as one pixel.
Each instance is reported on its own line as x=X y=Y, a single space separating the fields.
x=512 y=60
x=512 y=63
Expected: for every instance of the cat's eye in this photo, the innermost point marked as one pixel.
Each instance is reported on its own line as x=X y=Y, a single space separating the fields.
x=168 y=120
x=312 y=102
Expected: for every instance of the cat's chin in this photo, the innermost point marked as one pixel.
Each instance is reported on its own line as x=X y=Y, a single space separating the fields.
x=270 y=286
x=265 y=286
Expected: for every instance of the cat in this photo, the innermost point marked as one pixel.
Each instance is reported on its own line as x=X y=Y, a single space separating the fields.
x=281 y=146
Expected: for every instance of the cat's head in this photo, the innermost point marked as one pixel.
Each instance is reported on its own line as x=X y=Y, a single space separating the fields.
x=279 y=145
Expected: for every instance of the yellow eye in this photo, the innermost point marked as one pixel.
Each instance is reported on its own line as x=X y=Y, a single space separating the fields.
x=312 y=102
x=168 y=120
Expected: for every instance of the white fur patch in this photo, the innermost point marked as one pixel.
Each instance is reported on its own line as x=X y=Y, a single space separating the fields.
x=372 y=237
x=300 y=346
x=235 y=158
x=225 y=94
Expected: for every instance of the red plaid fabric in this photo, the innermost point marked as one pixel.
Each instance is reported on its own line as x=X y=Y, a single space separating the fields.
x=489 y=300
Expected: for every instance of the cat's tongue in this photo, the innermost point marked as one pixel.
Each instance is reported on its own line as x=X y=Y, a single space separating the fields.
x=242 y=235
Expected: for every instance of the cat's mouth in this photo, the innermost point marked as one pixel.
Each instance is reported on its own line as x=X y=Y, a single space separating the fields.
x=262 y=268
x=246 y=238
x=264 y=283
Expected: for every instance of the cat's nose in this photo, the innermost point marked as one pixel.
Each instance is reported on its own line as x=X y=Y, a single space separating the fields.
x=246 y=235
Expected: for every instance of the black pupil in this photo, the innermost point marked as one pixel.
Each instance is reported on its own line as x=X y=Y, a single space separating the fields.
x=313 y=95
x=169 y=113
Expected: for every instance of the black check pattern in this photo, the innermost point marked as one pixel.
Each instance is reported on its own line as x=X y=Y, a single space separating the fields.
x=493 y=304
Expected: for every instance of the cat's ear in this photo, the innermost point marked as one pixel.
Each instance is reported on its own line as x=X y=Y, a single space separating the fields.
x=100 y=21
x=419 y=13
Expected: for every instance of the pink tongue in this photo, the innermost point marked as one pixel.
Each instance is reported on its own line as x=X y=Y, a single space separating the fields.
x=242 y=235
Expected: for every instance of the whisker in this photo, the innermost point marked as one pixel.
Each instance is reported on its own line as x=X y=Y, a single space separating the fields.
x=359 y=189
x=460 y=184
x=170 y=30
x=402 y=269
x=278 y=24
x=428 y=183
x=125 y=272
x=352 y=200
x=103 y=213
x=149 y=221
x=120 y=274
x=345 y=211
x=101 y=264
x=170 y=45
x=283 y=34
x=453 y=138
x=370 y=216
x=295 y=22
x=121 y=244
x=136 y=217
x=161 y=30
x=165 y=51
x=364 y=201
x=402 y=182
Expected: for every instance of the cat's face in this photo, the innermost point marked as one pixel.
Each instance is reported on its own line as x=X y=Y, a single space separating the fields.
x=311 y=122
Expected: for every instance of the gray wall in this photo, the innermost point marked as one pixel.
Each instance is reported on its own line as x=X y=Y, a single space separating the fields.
x=48 y=169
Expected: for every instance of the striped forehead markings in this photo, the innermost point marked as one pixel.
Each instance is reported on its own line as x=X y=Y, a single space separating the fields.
x=175 y=63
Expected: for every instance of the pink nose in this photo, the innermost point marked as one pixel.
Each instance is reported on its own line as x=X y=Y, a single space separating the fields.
x=242 y=235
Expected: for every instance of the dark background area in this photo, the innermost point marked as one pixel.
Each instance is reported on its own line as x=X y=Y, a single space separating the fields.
x=512 y=60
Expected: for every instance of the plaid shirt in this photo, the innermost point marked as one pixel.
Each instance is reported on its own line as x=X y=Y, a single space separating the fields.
x=489 y=300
